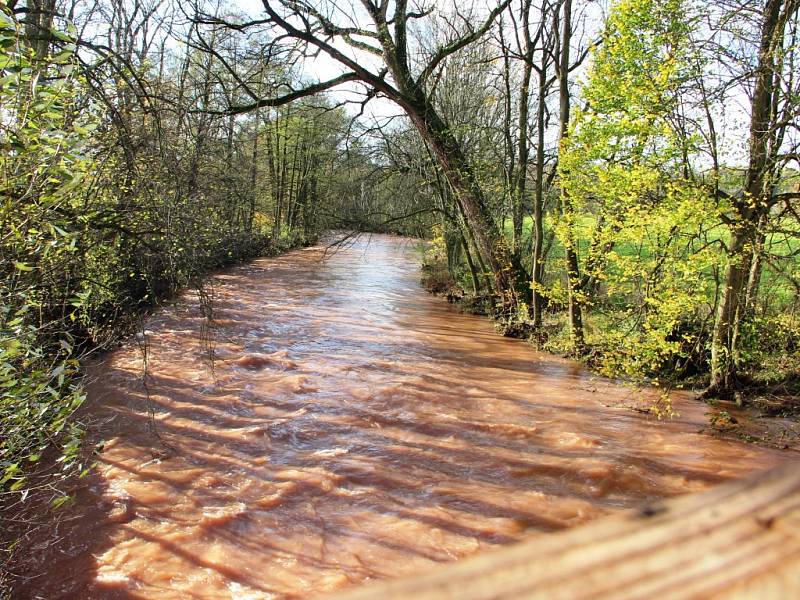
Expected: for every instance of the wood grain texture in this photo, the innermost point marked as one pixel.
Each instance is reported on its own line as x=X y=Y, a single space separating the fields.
x=738 y=540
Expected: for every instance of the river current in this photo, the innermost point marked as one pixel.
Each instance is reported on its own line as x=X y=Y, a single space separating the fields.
x=334 y=424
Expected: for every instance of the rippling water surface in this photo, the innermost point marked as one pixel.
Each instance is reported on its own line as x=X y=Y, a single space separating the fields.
x=349 y=427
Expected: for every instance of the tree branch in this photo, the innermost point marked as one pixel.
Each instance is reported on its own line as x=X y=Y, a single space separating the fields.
x=460 y=43
x=309 y=90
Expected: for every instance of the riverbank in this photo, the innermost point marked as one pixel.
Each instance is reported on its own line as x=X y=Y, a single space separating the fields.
x=64 y=456
x=763 y=411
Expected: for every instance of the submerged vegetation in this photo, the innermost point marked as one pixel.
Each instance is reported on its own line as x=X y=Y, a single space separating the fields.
x=618 y=181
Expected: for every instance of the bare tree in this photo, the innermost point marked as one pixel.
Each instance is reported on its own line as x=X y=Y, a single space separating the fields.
x=372 y=46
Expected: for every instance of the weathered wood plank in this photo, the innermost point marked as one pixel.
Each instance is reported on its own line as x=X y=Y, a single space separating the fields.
x=739 y=540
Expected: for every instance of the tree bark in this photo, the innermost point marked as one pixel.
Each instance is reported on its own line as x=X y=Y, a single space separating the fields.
x=254 y=172
x=756 y=262
x=724 y=347
x=473 y=273
x=523 y=152
x=38 y=25
x=509 y=276
x=752 y=207
x=571 y=252
x=538 y=200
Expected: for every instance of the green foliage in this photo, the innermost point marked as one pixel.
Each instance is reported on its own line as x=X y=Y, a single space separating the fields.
x=38 y=394
x=43 y=164
x=770 y=345
x=625 y=195
x=650 y=279
x=112 y=200
x=637 y=71
x=436 y=275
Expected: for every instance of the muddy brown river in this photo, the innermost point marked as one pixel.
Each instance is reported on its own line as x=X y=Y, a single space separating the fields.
x=349 y=427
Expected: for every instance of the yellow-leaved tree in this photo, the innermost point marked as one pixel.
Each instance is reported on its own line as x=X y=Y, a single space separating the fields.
x=630 y=209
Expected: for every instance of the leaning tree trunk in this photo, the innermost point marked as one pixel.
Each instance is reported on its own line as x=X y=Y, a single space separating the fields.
x=509 y=277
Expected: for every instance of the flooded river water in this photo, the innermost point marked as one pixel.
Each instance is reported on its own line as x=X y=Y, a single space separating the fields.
x=349 y=427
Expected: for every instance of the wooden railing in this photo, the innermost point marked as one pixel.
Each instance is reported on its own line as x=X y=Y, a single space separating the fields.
x=738 y=540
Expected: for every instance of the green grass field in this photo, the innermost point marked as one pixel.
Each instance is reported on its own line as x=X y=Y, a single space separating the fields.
x=782 y=247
